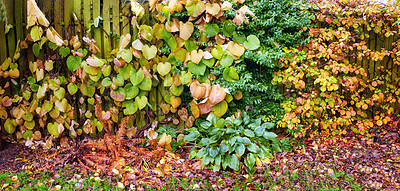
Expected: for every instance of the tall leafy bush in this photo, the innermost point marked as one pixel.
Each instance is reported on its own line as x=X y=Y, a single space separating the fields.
x=339 y=82
x=278 y=24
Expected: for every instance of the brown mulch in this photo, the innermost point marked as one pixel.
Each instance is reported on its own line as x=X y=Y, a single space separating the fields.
x=374 y=164
x=15 y=156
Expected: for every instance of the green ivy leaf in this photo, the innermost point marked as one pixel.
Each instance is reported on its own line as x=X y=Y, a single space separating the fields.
x=226 y=61
x=239 y=38
x=52 y=45
x=141 y=102
x=146 y=84
x=191 y=45
x=35 y=33
x=197 y=69
x=228 y=28
x=252 y=43
x=73 y=62
x=131 y=91
x=211 y=29
x=53 y=129
x=36 y=49
x=125 y=54
x=9 y=126
x=130 y=107
x=87 y=90
x=106 y=82
x=137 y=77
x=64 y=51
x=217 y=52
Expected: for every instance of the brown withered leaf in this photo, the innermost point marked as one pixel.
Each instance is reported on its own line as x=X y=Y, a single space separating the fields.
x=213 y=8
x=190 y=121
x=217 y=94
x=205 y=107
x=198 y=90
x=175 y=101
x=195 y=109
x=7 y=101
x=186 y=30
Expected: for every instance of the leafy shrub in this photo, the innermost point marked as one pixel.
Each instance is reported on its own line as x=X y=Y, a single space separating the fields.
x=337 y=82
x=228 y=142
x=277 y=24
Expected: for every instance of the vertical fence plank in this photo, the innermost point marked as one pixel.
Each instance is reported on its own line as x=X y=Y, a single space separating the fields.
x=11 y=42
x=87 y=16
x=371 y=46
x=115 y=20
x=47 y=8
x=106 y=25
x=364 y=58
x=3 y=44
x=379 y=44
x=57 y=17
x=395 y=66
x=97 y=31
x=125 y=24
x=390 y=62
x=19 y=15
x=77 y=11
x=68 y=10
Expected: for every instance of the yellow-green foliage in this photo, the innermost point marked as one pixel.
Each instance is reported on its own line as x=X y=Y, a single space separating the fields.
x=341 y=80
x=57 y=83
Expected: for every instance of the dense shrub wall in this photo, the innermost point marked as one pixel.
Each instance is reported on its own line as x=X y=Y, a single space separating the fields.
x=346 y=78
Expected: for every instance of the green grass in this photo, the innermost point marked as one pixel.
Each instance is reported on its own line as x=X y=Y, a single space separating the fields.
x=50 y=181
x=336 y=180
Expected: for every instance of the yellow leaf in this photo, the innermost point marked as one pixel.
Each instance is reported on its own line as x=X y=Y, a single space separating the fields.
x=35 y=15
x=217 y=94
x=196 y=56
x=198 y=90
x=186 y=30
x=236 y=49
x=213 y=9
x=54 y=37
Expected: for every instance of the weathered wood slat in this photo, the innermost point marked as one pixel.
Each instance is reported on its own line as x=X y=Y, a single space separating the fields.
x=58 y=14
x=3 y=44
x=77 y=11
x=371 y=46
x=125 y=23
x=97 y=31
x=378 y=48
x=395 y=66
x=106 y=25
x=115 y=20
x=47 y=9
x=365 y=59
x=19 y=15
x=68 y=10
x=87 y=16
x=11 y=41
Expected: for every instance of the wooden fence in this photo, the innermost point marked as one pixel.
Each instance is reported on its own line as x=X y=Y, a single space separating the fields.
x=60 y=14
x=114 y=14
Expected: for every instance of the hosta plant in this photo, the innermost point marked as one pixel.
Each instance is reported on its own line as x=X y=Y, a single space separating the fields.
x=231 y=141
